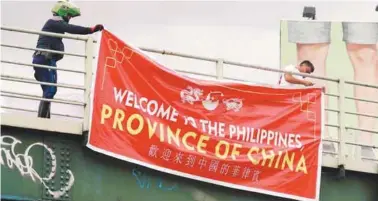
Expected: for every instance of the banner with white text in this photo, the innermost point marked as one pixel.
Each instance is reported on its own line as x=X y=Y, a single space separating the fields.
x=254 y=138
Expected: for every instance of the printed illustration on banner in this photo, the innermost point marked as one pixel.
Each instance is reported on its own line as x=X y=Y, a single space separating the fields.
x=211 y=102
x=234 y=104
x=116 y=57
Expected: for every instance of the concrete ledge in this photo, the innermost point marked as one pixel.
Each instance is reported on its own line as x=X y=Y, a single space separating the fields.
x=329 y=161
x=362 y=166
x=53 y=125
x=351 y=164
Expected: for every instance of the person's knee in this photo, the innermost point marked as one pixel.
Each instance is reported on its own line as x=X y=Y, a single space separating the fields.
x=362 y=53
x=50 y=92
x=41 y=74
x=363 y=48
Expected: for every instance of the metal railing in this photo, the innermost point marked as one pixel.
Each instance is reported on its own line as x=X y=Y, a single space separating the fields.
x=219 y=65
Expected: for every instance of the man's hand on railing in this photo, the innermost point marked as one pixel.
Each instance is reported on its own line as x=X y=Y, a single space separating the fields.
x=98 y=27
x=307 y=83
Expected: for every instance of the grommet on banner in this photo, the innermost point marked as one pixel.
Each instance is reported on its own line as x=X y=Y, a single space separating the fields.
x=309 y=12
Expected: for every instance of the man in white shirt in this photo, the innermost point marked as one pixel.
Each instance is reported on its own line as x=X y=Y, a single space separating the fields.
x=289 y=79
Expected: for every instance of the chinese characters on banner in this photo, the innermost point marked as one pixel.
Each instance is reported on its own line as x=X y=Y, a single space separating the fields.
x=247 y=137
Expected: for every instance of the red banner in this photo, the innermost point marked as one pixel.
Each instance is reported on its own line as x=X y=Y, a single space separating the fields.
x=254 y=138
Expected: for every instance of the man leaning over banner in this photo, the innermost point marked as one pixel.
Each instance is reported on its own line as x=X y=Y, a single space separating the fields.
x=63 y=11
x=288 y=79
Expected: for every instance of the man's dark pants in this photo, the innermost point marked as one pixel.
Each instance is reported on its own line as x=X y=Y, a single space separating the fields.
x=45 y=75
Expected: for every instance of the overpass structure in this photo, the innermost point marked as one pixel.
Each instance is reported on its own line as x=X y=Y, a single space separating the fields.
x=48 y=159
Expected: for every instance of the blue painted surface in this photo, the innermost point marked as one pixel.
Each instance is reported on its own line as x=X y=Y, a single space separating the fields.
x=144 y=181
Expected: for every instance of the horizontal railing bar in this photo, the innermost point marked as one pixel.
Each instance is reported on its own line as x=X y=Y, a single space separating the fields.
x=44 y=50
x=246 y=81
x=331 y=140
x=332 y=95
x=361 y=129
x=171 y=53
x=361 y=145
x=84 y=38
x=194 y=73
x=42 y=66
x=44 y=33
x=329 y=152
x=319 y=20
x=53 y=113
x=332 y=125
x=350 y=143
x=360 y=114
x=360 y=99
x=44 y=99
x=58 y=99
x=352 y=113
x=331 y=110
x=234 y=79
x=278 y=71
x=361 y=84
x=18 y=79
x=370 y=159
x=164 y=52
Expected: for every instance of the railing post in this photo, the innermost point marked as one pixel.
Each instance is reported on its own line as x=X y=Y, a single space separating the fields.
x=219 y=69
x=342 y=129
x=88 y=81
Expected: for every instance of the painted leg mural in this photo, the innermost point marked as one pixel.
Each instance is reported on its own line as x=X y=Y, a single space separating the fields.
x=361 y=43
x=312 y=40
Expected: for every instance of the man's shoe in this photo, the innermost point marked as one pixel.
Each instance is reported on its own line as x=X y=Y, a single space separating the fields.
x=44 y=109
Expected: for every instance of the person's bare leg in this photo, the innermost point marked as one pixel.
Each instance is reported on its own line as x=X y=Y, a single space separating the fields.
x=365 y=62
x=361 y=39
